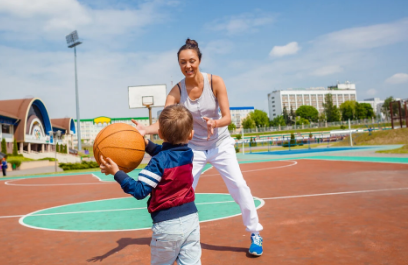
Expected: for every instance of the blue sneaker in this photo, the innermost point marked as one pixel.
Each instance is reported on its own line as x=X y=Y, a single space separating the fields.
x=256 y=245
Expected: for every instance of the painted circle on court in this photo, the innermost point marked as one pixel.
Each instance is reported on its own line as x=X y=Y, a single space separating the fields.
x=123 y=214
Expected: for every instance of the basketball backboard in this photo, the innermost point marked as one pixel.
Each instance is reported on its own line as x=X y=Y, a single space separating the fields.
x=151 y=95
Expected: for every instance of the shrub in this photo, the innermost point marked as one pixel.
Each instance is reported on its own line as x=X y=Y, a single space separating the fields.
x=342 y=127
x=76 y=166
x=310 y=135
x=57 y=148
x=3 y=146
x=238 y=136
x=236 y=149
x=48 y=158
x=15 y=152
x=15 y=163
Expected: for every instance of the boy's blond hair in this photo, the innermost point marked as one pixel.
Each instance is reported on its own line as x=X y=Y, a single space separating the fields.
x=176 y=124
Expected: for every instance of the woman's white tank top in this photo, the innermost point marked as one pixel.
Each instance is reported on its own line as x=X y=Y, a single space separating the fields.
x=205 y=106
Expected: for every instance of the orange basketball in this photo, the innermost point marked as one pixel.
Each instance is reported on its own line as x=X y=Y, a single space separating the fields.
x=122 y=143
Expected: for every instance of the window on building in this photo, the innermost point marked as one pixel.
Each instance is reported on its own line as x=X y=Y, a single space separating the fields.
x=274 y=114
x=5 y=128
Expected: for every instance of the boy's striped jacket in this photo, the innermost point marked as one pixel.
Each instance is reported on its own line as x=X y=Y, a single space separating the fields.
x=168 y=178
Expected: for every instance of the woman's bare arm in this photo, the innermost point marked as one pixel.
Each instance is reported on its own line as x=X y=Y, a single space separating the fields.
x=220 y=92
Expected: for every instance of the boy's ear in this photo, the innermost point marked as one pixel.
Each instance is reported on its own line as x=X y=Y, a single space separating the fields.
x=191 y=135
x=160 y=134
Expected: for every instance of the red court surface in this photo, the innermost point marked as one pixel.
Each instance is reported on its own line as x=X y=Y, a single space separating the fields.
x=315 y=212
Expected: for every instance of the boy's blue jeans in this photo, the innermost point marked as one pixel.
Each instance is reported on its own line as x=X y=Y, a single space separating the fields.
x=176 y=240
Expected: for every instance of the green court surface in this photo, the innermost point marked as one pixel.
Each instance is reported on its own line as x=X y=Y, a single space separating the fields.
x=121 y=214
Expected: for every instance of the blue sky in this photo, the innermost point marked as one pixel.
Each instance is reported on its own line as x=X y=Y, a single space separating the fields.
x=255 y=46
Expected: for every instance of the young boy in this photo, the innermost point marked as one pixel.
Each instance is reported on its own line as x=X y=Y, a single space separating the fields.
x=4 y=166
x=168 y=178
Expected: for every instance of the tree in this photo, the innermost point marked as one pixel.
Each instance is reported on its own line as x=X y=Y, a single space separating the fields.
x=15 y=151
x=248 y=123
x=302 y=121
x=322 y=117
x=361 y=112
x=307 y=112
x=259 y=117
x=285 y=115
x=348 y=110
x=292 y=115
x=386 y=107
x=278 y=120
x=331 y=110
x=57 y=148
x=4 y=146
x=232 y=126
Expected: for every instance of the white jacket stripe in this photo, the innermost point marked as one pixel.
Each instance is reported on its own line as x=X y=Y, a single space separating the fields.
x=150 y=174
x=148 y=181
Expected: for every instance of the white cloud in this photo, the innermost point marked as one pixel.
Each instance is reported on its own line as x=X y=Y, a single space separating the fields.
x=399 y=78
x=241 y=24
x=288 y=49
x=327 y=70
x=371 y=92
x=52 y=20
x=103 y=79
x=364 y=37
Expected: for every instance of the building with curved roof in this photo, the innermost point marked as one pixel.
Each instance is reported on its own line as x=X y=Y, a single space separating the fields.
x=27 y=121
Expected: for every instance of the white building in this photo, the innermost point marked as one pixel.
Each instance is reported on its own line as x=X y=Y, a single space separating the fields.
x=239 y=113
x=91 y=127
x=315 y=97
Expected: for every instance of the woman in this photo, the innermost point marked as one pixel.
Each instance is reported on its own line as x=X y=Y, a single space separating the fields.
x=204 y=94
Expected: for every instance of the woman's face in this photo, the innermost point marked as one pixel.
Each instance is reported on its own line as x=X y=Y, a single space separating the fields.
x=189 y=63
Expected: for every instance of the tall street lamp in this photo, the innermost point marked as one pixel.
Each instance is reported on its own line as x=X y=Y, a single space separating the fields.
x=73 y=41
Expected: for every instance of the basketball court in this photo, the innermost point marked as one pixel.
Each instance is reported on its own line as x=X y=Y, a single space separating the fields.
x=337 y=207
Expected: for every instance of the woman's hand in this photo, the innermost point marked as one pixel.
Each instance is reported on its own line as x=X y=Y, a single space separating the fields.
x=211 y=124
x=140 y=127
x=108 y=166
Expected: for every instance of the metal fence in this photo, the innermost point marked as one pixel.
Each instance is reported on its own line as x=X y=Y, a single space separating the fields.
x=309 y=126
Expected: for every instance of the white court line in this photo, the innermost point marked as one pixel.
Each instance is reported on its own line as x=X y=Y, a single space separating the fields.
x=100 y=211
x=294 y=163
x=11 y=183
x=21 y=220
x=332 y=193
x=204 y=203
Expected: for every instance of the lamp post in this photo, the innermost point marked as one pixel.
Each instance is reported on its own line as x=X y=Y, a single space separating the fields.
x=73 y=41
x=55 y=136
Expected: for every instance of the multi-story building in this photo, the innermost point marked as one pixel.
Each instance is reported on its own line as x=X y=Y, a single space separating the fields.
x=315 y=97
x=91 y=127
x=239 y=113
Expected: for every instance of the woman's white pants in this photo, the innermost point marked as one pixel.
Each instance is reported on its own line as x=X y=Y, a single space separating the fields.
x=223 y=158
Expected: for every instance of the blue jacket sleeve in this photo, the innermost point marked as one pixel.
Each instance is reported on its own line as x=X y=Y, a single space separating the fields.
x=153 y=149
x=149 y=177
x=137 y=189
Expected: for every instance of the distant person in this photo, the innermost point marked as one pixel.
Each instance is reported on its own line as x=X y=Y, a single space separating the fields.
x=204 y=95
x=4 y=165
x=168 y=178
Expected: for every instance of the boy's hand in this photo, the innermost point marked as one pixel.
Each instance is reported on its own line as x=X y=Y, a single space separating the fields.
x=108 y=166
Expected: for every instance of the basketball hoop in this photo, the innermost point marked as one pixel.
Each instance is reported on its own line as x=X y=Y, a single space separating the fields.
x=149 y=97
x=147 y=101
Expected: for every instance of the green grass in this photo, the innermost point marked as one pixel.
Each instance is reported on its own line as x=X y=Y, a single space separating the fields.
x=305 y=146
x=402 y=150
x=397 y=136
x=19 y=158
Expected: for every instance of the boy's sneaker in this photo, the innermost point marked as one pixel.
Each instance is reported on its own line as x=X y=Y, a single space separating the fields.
x=256 y=245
